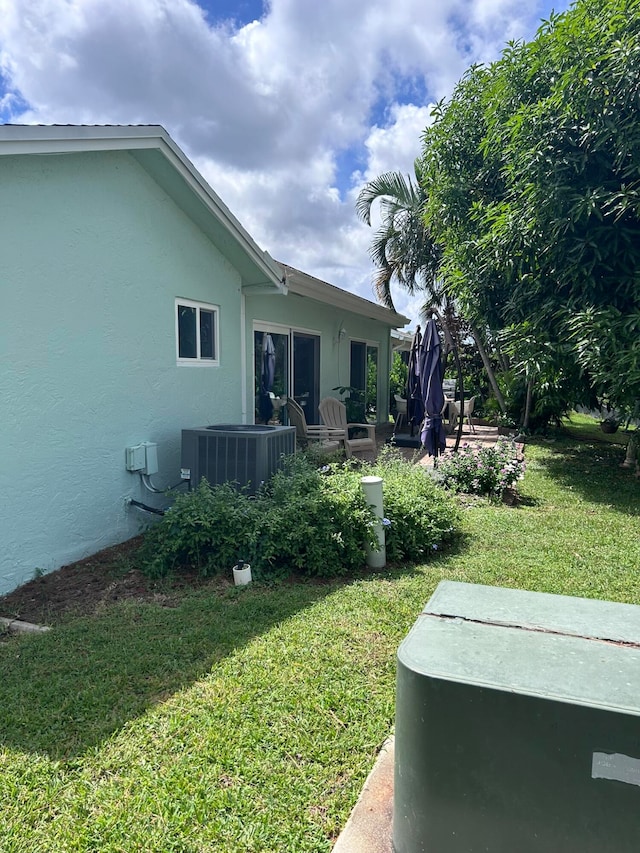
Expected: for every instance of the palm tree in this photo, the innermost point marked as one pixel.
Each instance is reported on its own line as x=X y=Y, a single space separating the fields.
x=403 y=249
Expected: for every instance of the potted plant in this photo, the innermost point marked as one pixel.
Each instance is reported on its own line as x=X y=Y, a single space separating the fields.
x=354 y=403
x=609 y=424
x=505 y=423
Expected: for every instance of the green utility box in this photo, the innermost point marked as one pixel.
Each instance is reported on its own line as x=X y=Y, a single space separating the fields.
x=518 y=725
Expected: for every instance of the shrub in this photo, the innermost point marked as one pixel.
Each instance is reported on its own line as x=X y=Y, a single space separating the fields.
x=422 y=515
x=301 y=520
x=398 y=377
x=306 y=519
x=482 y=470
x=204 y=530
x=311 y=520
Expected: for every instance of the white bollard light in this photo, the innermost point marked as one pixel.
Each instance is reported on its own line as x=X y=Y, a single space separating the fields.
x=372 y=488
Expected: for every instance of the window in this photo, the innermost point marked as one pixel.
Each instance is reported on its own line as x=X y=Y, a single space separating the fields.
x=196 y=332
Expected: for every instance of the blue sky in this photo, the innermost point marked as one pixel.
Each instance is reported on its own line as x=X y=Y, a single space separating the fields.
x=286 y=107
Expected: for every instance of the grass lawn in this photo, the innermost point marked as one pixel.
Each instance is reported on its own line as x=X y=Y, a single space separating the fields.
x=247 y=720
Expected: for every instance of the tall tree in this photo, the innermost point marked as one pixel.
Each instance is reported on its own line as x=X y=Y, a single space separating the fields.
x=532 y=183
x=403 y=250
x=402 y=247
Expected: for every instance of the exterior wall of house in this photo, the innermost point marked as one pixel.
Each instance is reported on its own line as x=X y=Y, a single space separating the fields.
x=305 y=314
x=94 y=254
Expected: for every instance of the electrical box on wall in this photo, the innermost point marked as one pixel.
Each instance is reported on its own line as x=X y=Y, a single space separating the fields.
x=151 y=457
x=142 y=457
x=135 y=457
x=518 y=725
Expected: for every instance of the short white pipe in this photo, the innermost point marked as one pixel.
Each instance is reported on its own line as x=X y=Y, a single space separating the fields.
x=22 y=627
x=632 y=449
x=372 y=488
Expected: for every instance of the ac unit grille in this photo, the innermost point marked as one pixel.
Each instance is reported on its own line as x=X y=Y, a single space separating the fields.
x=246 y=455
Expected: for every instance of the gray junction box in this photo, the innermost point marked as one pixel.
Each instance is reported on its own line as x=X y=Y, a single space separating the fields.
x=518 y=725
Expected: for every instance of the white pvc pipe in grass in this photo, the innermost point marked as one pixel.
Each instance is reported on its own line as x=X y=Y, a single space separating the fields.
x=372 y=488
x=18 y=626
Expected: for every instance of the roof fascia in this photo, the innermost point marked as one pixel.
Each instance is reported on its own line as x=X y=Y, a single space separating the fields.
x=314 y=288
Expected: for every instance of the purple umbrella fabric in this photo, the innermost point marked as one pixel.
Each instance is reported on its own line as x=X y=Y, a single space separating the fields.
x=266 y=377
x=415 y=402
x=433 y=436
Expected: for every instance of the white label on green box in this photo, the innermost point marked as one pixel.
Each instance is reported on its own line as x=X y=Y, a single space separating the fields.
x=615 y=766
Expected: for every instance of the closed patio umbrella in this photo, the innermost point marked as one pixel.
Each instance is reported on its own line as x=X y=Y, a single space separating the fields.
x=266 y=377
x=433 y=435
x=415 y=401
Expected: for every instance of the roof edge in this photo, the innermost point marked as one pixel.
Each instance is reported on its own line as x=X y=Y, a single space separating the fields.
x=307 y=285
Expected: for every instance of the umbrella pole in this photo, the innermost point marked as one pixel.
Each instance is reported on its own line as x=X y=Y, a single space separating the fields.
x=436 y=448
x=456 y=357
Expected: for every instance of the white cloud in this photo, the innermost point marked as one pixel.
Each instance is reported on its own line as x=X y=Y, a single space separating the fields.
x=394 y=148
x=287 y=116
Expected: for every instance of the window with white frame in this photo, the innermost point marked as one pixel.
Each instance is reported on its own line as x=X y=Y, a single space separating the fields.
x=197 y=332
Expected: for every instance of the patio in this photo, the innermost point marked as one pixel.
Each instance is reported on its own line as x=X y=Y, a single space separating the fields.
x=484 y=436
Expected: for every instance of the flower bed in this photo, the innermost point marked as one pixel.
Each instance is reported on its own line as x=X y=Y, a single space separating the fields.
x=478 y=470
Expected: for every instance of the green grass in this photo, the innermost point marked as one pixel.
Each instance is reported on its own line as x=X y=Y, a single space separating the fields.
x=248 y=720
x=586 y=428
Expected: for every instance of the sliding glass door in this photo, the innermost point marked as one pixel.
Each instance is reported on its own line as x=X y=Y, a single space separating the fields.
x=292 y=358
x=306 y=374
x=269 y=401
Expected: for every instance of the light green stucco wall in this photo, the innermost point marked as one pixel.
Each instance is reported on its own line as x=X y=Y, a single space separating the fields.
x=306 y=314
x=94 y=254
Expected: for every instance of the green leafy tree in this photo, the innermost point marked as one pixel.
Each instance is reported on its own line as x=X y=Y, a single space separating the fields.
x=398 y=376
x=532 y=186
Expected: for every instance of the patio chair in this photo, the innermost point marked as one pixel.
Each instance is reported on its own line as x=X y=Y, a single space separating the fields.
x=449 y=387
x=334 y=416
x=401 y=412
x=464 y=409
x=327 y=439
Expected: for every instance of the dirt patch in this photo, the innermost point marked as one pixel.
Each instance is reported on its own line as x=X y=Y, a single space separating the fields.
x=82 y=588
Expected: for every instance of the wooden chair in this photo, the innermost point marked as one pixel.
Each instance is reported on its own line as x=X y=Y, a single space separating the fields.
x=328 y=440
x=334 y=416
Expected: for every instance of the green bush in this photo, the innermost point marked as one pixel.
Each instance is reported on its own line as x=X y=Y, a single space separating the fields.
x=311 y=520
x=204 y=531
x=300 y=521
x=482 y=470
x=423 y=517
x=397 y=379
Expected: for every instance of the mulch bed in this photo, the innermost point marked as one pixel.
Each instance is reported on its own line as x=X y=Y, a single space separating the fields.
x=81 y=587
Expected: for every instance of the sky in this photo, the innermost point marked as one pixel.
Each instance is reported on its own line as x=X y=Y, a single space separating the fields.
x=286 y=107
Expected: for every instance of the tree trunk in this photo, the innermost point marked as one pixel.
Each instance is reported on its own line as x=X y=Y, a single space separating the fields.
x=489 y=370
x=504 y=361
x=527 y=405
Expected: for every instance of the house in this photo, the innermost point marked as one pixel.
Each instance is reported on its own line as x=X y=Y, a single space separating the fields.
x=132 y=305
x=332 y=338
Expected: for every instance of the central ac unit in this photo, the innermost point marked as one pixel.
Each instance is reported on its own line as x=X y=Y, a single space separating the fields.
x=244 y=454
